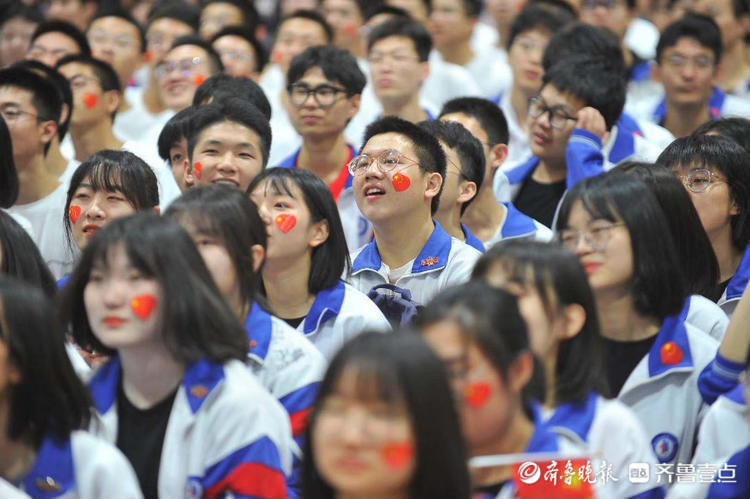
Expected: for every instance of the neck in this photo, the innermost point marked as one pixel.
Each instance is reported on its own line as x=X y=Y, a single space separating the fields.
x=407 y=109
x=151 y=99
x=88 y=139
x=459 y=53
x=734 y=67
x=54 y=160
x=550 y=371
x=726 y=254
x=287 y=289
x=401 y=240
x=485 y=215
x=619 y=319
x=519 y=100
x=34 y=179
x=324 y=156
x=16 y=457
x=451 y=222
x=149 y=373
x=513 y=440
x=550 y=170
x=683 y=119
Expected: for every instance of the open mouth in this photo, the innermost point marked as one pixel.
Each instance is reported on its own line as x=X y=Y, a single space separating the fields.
x=374 y=192
x=90 y=230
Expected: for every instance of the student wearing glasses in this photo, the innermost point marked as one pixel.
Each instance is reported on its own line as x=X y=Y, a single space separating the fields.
x=325 y=84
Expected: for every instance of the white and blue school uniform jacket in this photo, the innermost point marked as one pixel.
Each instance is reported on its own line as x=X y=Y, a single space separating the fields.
x=612 y=433
x=518 y=225
x=736 y=286
x=226 y=433
x=720 y=105
x=337 y=315
x=664 y=394
x=286 y=364
x=724 y=432
x=707 y=316
x=471 y=239
x=357 y=229
x=8 y=491
x=741 y=487
x=81 y=466
x=443 y=261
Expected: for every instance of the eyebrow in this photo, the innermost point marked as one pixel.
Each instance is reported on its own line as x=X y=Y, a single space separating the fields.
x=217 y=142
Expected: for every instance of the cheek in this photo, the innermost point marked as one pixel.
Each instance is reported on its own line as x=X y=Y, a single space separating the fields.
x=401 y=182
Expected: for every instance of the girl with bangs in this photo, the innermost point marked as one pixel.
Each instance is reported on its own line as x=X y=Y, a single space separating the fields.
x=176 y=397
x=385 y=425
x=652 y=356
x=558 y=307
x=307 y=259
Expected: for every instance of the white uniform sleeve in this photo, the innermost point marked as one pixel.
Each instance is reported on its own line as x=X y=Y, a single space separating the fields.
x=102 y=471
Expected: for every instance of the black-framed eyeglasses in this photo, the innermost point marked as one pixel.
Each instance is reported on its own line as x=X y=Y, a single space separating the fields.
x=386 y=161
x=324 y=95
x=700 y=179
x=558 y=117
x=597 y=235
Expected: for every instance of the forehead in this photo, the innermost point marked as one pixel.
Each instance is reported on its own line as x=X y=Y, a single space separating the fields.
x=688 y=46
x=341 y=4
x=221 y=8
x=314 y=75
x=169 y=25
x=56 y=39
x=470 y=123
x=229 y=133
x=75 y=68
x=300 y=27
x=185 y=52
x=233 y=42
x=17 y=95
x=396 y=42
x=553 y=97
x=539 y=35
x=448 y=3
x=277 y=187
x=446 y=339
x=114 y=25
x=390 y=140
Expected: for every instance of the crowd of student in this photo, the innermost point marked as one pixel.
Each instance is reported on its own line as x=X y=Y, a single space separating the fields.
x=374 y=249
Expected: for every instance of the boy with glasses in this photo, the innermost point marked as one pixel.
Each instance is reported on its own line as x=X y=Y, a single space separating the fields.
x=324 y=90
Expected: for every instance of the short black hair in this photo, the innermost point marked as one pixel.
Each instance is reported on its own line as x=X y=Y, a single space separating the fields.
x=62 y=84
x=657 y=286
x=21 y=257
x=736 y=128
x=177 y=128
x=36 y=346
x=67 y=29
x=222 y=86
x=430 y=155
x=579 y=38
x=251 y=18
x=105 y=73
x=722 y=154
x=694 y=251
x=8 y=173
x=20 y=10
x=387 y=9
x=487 y=113
x=196 y=321
x=213 y=56
x=330 y=261
x=468 y=148
x=338 y=65
x=226 y=214
x=116 y=11
x=310 y=15
x=541 y=17
x=234 y=110
x=472 y=8
x=261 y=54
x=46 y=97
x=179 y=10
x=114 y=171
x=400 y=26
x=700 y=28
x=597 y=83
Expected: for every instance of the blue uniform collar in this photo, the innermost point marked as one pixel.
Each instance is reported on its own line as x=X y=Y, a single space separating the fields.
x=199 y=380
x=739 y=280
x=327 y=305
x=291 y=161
x=53 y=473
x=434 y=254
x=259 y=329
x=542 y=440
x=576 y=416
x=672 y=331
x=518 y=174
x=516 y=224
x=715 y=105
x=624 y=145
x=471 y=239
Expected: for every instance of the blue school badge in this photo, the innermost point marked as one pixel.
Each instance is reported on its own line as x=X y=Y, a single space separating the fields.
x=665 y=447
x=193 y=489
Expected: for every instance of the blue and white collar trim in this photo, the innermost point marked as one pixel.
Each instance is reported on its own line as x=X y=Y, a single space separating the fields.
x=739 y=280
x=577 y=417
x=53 y=473
x=516 y=224
x=518 y=174
x=259 y=329
x=674 y=332
x=327 y=305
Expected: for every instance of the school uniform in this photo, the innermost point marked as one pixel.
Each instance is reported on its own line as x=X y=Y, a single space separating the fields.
x=707 y=316
x=724 y=432
x=519 y=226
x=226 y=433
x=741 y=486
x=662 y=389
x=81 y=466
x=489 y=69
x=612 y=433
x=357 y=229
x=337 y=315
x=443 y=261
x=653 y=107
x=471 y=239
x=518 y=137
x=737 y=284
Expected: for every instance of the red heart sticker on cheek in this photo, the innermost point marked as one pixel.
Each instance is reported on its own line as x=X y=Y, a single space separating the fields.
x=198 y=79
x=148 y=56
x=476 y=394
x=143 y=305
x=400 y=182
x=349 y=29
x=90 y=100
x=198 y=169
x=74 y=212
x=276 y=57
x=285 y=222
x=397 y=455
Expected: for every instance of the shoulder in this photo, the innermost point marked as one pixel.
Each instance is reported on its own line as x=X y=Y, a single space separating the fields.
x=707 y=316
x=101 y=469
x=702 y=347
x=735 y=106
x=294 y=348
x=357 y=304
x=462 y=254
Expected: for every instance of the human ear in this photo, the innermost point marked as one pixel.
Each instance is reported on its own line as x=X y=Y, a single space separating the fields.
x=521 y=371
x=258 y=254
x=320 y=233
x=466 y=191
x=574 y=317
x=434 y=183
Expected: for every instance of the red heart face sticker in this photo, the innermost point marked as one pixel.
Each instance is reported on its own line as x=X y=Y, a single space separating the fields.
x=397 y=455
x=198 y=169
x=400 y=182
x=476 y=394
x=148 y=56
x=143 y=305
x=198 y=79
x=671 y=354
x=285 y=222
x=276 y=57
x=90 y=100
x=74 y=212
x=349 y=29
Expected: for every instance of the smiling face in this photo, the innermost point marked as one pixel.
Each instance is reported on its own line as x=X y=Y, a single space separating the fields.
x=549 y=143
x=227 y=152
x=183 y=69
x=90 y=210
x=123 y=305
x=117 y=42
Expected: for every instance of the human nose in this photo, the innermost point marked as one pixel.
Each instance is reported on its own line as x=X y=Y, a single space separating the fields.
x=354 y=428
x=373 y=169
x=226 y=163
x=95 y=209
